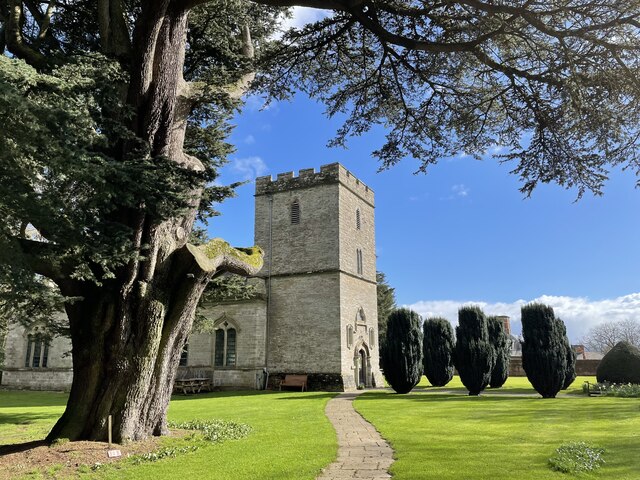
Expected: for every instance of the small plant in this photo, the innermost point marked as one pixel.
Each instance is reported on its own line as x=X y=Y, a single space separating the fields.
x=59 y=441
x=360 y=386
x=577 y=457
x=215 y=430
x=624 y=390
x=169 y=452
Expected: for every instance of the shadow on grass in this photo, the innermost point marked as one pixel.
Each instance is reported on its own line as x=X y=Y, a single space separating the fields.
x=290 y=395
x=25 y=418
x=21 y=447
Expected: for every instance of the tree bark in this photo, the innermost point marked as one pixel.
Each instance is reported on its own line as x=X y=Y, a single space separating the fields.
x=128 y=333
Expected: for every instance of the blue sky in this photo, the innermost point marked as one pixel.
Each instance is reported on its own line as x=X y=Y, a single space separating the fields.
x=463 y=233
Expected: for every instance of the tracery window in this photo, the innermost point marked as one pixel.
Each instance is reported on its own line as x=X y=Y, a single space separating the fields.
x=225 y=346
x=37 y=350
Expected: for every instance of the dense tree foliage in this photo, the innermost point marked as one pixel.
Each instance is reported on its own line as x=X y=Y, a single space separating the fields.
x=570 y=372
x=544 y=354
x=474 y=354
x=117 y=131
x=118 y=113
x=401 y=359
x=552 y=84
x=437 y=347
x=386 y=304
x=501 y=343
x=620 y=365
x=604 y=336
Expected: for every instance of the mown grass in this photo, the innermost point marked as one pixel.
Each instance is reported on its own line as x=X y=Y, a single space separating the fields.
x=437 y=433
x=444 y=436
x=512 y=385
x=290 y=436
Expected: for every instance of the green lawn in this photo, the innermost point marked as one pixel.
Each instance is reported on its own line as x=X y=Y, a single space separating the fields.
x=512 y=385
x=290 y=439
x=444 y=436
x=437 y=433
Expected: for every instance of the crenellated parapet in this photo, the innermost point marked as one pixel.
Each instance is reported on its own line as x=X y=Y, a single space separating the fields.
x=308 y=177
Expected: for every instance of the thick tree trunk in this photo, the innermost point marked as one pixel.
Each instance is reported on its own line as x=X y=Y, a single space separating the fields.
x=124 y=364
x=127 y=335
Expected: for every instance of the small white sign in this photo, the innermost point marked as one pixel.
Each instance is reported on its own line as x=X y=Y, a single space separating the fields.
x=114 y=453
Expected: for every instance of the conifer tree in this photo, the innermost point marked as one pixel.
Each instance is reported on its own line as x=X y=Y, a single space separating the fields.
x=502 y=347
x=544 y=356
x=438 y=345
x=401 y=358
x=570 y=372
x=474 y=355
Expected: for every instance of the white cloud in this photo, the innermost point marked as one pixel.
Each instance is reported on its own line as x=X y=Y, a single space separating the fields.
x=249 y=168
x=302 y=16
x=578 y=313
x=460 y=190
x=457 y=191
x=249 y=140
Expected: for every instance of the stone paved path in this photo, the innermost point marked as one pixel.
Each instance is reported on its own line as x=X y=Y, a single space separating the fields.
x=362 y=452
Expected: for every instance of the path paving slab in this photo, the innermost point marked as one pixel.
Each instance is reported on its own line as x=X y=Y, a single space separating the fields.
x=362 y=452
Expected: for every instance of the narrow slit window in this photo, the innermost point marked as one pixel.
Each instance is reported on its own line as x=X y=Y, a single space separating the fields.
x=295 y=212
x=359 y=261
x=358 y=219
x=219 y=358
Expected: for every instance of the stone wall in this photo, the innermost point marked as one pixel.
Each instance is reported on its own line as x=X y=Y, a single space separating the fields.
x=583 y=367
x=248 y=317
x=308 y=246
x=304 y=323
x=58 y=374
x=37 y=378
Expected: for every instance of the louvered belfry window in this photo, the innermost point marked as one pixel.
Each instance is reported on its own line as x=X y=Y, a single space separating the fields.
x=358 y=219
x=295 y=212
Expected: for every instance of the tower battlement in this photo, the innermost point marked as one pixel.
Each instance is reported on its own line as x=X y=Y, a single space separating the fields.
x=308 y=177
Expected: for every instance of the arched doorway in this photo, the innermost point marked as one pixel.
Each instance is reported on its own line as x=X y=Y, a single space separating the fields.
x=362 y=380
x=362 y=366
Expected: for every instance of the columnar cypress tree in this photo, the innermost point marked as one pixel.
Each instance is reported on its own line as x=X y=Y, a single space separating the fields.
x=437 y=348
x=570 y=372
x=502 y=347
x=401 y=357
x=544 y=356
x=474 y=355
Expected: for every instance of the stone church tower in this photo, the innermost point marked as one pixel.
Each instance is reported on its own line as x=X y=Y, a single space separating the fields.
x=318 y=234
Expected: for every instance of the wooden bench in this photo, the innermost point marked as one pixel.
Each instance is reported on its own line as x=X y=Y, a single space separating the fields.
x=294 y=381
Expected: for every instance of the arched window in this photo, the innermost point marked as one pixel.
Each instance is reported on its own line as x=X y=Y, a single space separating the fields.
x=37 y=350
x=358 y=219
x=372 y=337
x=225 y=346
x=295 y=212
